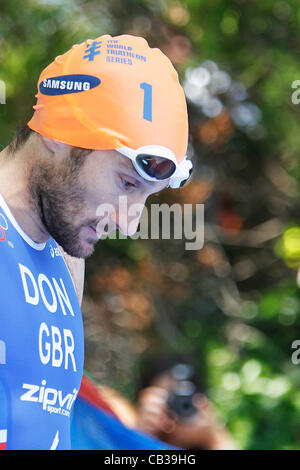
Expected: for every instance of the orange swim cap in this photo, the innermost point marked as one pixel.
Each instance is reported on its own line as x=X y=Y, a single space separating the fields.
x=112 y=92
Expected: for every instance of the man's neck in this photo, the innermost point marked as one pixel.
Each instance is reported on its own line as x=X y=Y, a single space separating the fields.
x=14 y=176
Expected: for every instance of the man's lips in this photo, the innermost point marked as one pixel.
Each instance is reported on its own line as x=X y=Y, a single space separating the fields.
x=93 y=227
x=98 y=230
x=104 y=228
x=91 y=232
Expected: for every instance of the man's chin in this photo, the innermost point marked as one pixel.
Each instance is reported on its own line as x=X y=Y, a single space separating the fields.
x=86 y=249
x=88 y=237
x=79 y=247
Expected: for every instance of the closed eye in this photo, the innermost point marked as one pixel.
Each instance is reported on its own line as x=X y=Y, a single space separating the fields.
x=128 y=184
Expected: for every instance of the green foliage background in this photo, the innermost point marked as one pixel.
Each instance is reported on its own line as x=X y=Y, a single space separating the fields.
x=234 y=304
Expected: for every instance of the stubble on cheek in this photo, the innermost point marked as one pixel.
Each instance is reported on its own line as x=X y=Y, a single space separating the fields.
x=60 y=201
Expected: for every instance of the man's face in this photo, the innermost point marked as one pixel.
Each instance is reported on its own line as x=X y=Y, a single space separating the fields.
x=78 y=198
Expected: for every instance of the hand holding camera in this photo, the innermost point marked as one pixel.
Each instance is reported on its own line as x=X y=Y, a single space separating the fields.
x=173 y=410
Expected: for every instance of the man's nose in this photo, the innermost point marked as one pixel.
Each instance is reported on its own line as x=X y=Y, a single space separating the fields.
x=127 y=219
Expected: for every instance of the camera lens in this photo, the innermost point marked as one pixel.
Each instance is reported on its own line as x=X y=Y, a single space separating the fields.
x=185 y=388
x=182 y=371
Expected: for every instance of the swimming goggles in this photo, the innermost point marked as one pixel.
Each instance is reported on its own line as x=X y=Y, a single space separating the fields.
x=156 y=163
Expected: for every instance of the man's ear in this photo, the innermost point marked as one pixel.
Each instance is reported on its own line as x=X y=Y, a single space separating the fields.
x=54 y=146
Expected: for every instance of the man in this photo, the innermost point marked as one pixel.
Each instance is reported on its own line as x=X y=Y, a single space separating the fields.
x=110 y=122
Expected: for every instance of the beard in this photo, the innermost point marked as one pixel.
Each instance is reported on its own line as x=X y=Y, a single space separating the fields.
x=56 y=193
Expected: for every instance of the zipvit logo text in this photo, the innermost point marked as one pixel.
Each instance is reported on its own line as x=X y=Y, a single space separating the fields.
x=65 y=84
x=51 y=399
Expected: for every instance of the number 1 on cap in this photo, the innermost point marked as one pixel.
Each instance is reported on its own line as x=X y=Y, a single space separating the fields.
x=147 y=111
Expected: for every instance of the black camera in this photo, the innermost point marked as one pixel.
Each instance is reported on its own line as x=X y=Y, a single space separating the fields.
x=180 y=399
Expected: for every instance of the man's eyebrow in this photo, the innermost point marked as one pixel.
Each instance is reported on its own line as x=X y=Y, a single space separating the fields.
x=127 y=163
x=129 y=167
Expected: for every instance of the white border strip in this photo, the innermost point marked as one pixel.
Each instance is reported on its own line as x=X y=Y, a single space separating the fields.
x=3 y=436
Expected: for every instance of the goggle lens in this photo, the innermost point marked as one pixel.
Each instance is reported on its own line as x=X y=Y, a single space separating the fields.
x=156 y=167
